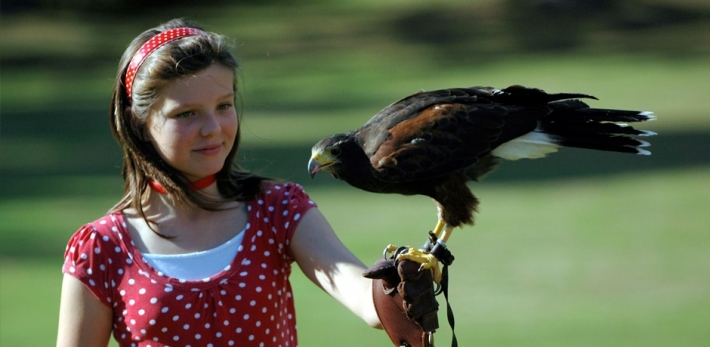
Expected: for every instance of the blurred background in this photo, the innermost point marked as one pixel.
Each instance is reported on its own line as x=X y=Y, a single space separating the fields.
x=578 y=249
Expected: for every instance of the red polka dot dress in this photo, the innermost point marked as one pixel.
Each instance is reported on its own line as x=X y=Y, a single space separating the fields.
x=248 y=303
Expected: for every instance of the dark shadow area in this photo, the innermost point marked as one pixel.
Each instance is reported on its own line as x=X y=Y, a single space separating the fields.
x=670 y=151
x=460 y=33
x=102 y=158
x=486 y=32
x=105 y=7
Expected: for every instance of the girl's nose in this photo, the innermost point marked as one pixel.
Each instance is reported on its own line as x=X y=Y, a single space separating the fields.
x=211 y=125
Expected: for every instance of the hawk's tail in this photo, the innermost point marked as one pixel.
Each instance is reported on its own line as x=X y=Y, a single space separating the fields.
x=574 y=124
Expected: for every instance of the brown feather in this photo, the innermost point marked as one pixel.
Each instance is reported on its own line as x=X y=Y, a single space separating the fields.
x=432 y=143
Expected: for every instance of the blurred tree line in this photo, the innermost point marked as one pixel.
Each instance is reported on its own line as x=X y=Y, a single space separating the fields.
x=481 y=30
x=117 y=7
x=513 y=26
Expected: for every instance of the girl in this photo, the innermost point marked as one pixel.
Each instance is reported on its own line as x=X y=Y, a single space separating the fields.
x=197 y=252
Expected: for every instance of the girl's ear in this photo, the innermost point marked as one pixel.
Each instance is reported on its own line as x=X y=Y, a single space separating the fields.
x=135 y=126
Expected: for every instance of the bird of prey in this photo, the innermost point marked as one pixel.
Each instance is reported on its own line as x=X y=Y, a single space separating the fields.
x=432 y=143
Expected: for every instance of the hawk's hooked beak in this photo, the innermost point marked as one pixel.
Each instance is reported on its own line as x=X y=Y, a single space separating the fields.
x=318 y=162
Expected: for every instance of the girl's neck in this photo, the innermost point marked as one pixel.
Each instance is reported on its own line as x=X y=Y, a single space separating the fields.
x=170 y=219
x=200 y=184
x=162 y=206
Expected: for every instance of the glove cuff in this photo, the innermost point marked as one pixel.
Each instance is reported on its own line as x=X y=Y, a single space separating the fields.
x=389 y=305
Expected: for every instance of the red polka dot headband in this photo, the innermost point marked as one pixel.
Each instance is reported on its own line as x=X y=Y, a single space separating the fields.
x=150 y=46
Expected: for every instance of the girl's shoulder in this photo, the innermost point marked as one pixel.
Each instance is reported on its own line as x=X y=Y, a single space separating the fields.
x=109 y=227
x=96 y=255
x=283 y=195
x=279 y=208
x=106 y=233
x=275 y=190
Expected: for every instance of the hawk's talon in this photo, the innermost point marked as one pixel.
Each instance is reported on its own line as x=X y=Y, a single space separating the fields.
x=389 y=249
x=426 y=260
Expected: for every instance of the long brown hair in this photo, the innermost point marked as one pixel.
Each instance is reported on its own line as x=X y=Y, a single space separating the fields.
x=141 y=161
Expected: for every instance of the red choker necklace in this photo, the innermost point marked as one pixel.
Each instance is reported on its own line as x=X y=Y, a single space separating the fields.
x=200 y=184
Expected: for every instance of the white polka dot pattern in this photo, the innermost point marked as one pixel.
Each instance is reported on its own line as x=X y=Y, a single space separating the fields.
x=151 y=45
x=249 y=303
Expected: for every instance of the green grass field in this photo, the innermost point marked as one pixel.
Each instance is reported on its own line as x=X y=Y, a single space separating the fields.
x=578 y=250
x=611 y=261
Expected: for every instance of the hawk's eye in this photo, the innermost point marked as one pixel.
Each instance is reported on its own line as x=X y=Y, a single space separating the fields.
x=335 y=151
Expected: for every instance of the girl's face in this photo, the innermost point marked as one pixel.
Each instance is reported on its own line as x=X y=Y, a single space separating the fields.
x=194 y=122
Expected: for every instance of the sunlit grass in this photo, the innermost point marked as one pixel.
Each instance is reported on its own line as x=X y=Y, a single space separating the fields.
x=607 y=261
x=29 y=301
x=618 y=260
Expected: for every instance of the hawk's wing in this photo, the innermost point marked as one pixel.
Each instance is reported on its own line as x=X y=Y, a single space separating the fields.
x=428 y=135
x=374 y=132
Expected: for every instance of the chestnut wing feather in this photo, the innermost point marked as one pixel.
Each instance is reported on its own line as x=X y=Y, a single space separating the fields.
x=373 y=133
x=438 y=141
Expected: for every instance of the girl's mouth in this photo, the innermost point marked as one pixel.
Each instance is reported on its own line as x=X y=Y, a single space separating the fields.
x=210 y=150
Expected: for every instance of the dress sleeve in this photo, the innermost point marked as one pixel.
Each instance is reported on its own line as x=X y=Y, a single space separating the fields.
x=86 y=259
x=290 y=203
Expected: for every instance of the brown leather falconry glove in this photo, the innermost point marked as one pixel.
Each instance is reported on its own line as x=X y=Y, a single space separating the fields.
x=405 y=302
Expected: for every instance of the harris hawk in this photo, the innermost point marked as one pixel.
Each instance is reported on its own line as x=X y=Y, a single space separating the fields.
x=432 y=143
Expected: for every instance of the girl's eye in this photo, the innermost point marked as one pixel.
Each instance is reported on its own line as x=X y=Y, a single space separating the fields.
x=184 y=114
x=225 y=106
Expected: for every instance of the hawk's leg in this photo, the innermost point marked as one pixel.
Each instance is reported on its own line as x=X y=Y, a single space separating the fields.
x=447 y=233
x=438 y=228
x=427 y=260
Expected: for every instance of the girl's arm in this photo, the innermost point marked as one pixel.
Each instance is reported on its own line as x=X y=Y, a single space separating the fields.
x=83 y=319
x=329 y=264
